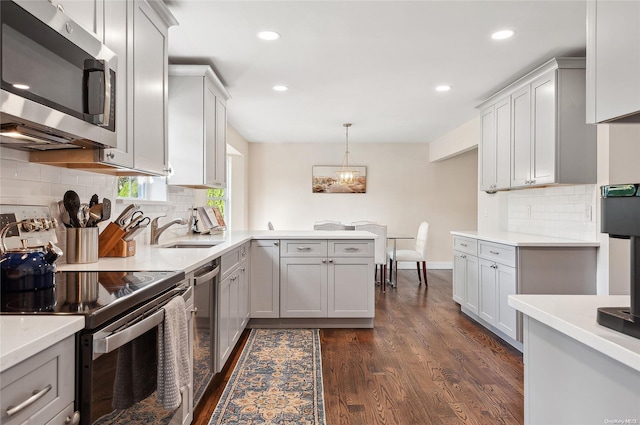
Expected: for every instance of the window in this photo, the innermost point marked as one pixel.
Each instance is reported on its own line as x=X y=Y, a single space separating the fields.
x=217 y=198
x=142 y=188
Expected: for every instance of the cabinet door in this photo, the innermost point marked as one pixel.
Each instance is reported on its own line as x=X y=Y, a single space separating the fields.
x=221 y=144
x=487 y=300
x=117 y=32
x=471 y=284
x=521 y=137
x=223 y=324
x=210 y=149
x=488 y=147
x=150 y=90
x=84 y=13
x=234 y=309
x=264 y=278
x=351 y=286
x=303 y=287
x=613 y=59
x=503 y=143
x=543 y=118
x=459 y=276
x=506 y=317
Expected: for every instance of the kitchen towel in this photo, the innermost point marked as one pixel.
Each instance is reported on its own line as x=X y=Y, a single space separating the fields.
x=173 y=354
x=135 y=371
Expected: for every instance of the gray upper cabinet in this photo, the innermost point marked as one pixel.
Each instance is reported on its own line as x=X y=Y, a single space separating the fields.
x=197 y=127
x=613 y=61
x=151 y=21
x=538 y=123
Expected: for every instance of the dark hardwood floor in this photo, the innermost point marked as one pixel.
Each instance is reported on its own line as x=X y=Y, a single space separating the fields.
x=423 y=363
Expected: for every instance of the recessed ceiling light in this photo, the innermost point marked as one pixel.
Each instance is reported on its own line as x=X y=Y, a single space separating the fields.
x=280 y=88
x=443 y=88
x=21 y=86
x=268 y=35
x=502 y=34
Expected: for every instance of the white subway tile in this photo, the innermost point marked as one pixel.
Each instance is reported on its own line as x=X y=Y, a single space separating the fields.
x=28 y=171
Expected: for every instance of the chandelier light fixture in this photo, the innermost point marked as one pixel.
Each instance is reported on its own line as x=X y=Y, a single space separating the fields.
x=347 y=175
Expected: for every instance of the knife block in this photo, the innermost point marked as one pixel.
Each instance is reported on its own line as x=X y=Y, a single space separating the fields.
x=123 y=248
x=108 y=239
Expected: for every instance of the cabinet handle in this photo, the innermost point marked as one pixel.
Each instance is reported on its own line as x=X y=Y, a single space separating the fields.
x=74 y=419
x=532 y=181
x=494 y=266
x=352 y=249
x=36 y=395
x=276 y=243
x=304 y=248
x=324 y=261
x=494 y=252
x=463 y=244
x=331 y=260
x=463 y=256
x=110 y=155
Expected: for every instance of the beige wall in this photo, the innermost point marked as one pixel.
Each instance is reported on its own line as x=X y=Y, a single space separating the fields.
x=403 y=189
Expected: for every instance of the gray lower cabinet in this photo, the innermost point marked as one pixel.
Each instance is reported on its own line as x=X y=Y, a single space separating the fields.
x=264 y=279
x=327 y=279
x=49 y=374
x=232 y=301
x=485 y=273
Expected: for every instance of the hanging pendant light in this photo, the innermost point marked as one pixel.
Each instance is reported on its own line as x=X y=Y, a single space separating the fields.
x=347 y=175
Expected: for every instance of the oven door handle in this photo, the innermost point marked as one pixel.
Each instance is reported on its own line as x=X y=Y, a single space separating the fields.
x=118 y=339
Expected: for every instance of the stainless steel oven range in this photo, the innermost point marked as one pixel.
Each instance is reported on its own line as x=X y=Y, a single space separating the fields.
x=118 y=348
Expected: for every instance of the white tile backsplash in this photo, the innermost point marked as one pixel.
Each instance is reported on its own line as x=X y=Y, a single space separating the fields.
x=27 y=183
x=560 y=211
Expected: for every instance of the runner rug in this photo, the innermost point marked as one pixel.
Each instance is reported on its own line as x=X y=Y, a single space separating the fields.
x=277 y=380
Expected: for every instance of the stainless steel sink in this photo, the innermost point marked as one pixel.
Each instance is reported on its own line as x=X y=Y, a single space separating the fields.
x=191 y=244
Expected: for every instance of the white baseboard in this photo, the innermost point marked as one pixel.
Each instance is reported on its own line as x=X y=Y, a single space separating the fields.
x=431 y=265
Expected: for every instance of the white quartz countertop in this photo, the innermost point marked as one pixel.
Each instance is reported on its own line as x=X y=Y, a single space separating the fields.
x=23 y=336
x=156 y=257
x=523 y=239
x=575 y=316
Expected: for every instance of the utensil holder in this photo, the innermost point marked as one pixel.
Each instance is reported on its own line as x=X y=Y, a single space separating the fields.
x=82 y=245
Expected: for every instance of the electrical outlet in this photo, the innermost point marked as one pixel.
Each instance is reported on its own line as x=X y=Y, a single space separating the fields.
x=587 y=212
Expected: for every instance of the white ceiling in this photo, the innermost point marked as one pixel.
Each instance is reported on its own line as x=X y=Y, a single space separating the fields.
x=372 y=63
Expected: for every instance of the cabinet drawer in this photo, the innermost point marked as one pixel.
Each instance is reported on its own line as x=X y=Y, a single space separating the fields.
x=303 y=248
x=52 y=369
x=504 y=254
x=350 y=248
x=231 y=259
x=466 y=245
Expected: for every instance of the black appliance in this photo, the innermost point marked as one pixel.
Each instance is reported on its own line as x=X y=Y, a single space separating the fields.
x=58 y=80
x=620 y=210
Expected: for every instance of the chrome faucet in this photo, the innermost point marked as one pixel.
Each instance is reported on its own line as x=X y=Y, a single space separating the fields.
x=157 y=231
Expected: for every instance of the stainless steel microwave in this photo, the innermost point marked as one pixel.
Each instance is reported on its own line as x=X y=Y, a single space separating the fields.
x=58 y=80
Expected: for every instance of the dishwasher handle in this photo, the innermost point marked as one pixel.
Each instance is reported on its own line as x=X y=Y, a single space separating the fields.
x=199 y=279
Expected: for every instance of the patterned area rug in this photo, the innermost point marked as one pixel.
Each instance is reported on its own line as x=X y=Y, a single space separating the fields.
x=278 y=380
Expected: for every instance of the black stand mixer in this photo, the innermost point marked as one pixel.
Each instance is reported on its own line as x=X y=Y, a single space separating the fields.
x=621 y=219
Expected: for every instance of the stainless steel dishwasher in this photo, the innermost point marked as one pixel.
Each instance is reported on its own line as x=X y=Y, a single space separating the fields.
x=204 y=284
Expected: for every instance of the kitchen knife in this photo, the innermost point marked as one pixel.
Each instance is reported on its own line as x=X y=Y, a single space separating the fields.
x=125 y=215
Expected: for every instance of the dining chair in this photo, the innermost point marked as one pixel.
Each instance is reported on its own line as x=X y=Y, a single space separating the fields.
x=329 y=226
x=418 y=254
x=380 y=249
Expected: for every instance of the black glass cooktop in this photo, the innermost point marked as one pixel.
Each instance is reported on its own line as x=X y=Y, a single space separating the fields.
x=100 y=296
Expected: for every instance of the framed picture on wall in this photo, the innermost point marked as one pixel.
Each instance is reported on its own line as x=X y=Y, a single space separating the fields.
x=325 y=179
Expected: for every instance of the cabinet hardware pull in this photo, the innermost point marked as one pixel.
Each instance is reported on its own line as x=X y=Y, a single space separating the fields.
x=463 y=244
x=110 y=155
x=74 y=419
x=494 y=252
x=532 y=181
x=352 y=249
x=304 y=248
x=324 y=261
x=36 y=395
x=331 y=260
x=276 y=243
x=463 y=256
